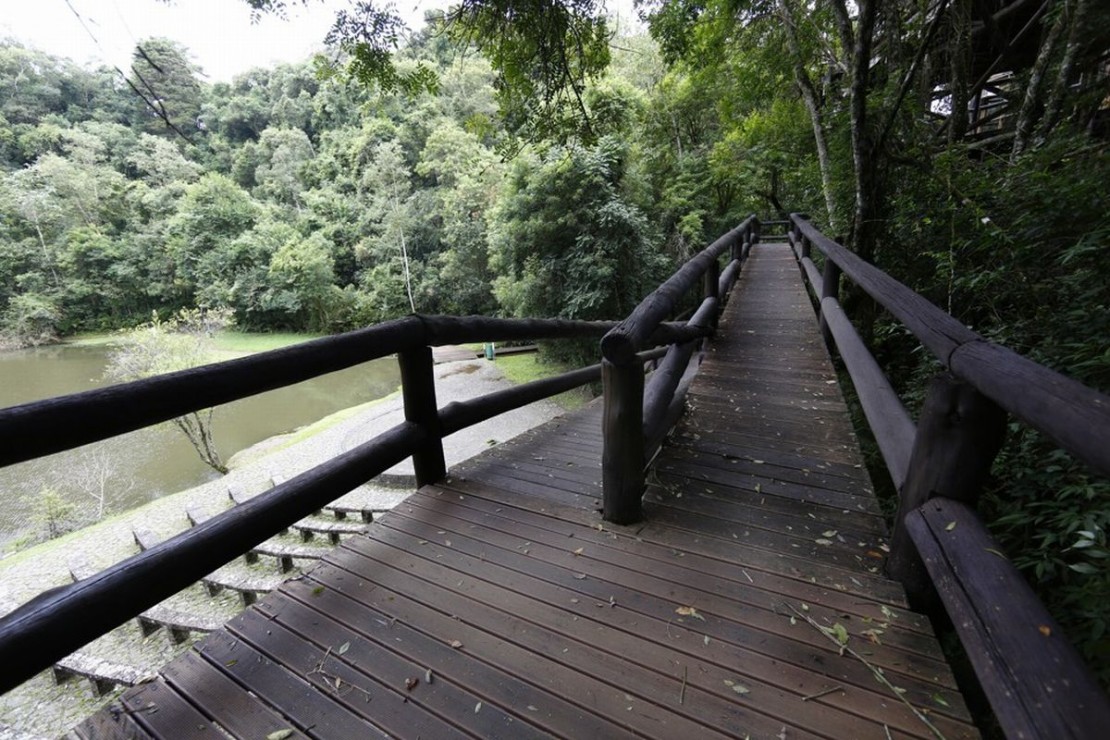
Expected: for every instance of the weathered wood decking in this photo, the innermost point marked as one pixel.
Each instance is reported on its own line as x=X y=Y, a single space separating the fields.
x=497 y=604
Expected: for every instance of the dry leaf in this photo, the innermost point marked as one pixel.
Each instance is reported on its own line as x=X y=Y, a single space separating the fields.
x=950 y=527
x=829 y=533
x=279 y=735
x=344 y=648
x=689 y=611
x=823 y=541
x=579 y=551
x=738 y=688
x=1045 y=630
x=455 y=644
x=410 y=684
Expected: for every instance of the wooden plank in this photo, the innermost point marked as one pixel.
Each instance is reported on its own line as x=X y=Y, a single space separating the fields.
x=636 y=625
x=219 y=697
x=1037 y=683
x=285 y=680
x=727 y=564
x=458 y=681
x=609 y=670
x=112 y=723
x=63 y=619
x=604 y=557
x=162 y=713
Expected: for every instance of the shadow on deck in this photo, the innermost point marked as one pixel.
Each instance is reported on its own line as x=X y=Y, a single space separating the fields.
x=497 y=603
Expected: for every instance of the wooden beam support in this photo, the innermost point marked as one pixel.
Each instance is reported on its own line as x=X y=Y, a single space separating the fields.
x=622 y=459
x=958 y=435
x=418 y=386
x=830 y=288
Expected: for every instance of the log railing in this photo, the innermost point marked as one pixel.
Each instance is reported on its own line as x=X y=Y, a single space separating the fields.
x=61 y=620
x=1036 y=682
x=636 y=418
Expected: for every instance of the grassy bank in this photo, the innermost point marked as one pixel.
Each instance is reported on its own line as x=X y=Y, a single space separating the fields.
x=525 y=368
x=229 y=343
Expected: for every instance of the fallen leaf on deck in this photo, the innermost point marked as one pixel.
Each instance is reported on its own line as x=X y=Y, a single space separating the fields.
x=279 y=735
x=823 y=541
x=579 y=551
x=455 y=644
x=841 y=634
x=950 y=527
x=410 y=684
x=738 y=688
x=689 y=611
x=1045 y=630
x=344 y=648
x=829 y=533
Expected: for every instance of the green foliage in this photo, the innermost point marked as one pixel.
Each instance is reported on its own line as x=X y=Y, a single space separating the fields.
x=565 y=240
x=29 y=319
x=54 y=513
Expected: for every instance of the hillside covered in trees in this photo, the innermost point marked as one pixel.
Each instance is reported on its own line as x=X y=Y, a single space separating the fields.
x=961 y=146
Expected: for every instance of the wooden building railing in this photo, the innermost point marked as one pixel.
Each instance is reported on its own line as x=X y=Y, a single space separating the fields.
x=1036 y=682
x=54 y=624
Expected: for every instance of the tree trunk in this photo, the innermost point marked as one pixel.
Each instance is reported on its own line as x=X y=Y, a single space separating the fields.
x=959 y=51
x=1063 y=74
x=862 y=234
x=809 y=97
x=1034 y=92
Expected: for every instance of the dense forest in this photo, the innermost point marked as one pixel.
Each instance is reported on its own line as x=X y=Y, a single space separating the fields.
x=491 y=164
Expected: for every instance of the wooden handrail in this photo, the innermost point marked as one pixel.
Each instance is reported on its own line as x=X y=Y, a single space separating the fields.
x=59 y=621
x=631 y=335
x=634 y=420
x=1075 y=417
x=1036 y=682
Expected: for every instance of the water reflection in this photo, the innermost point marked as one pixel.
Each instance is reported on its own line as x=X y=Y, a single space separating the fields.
x=141 y=466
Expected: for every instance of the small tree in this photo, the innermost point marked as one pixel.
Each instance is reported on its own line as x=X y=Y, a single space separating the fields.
x=96 y=473
x=159 y=347
x=54 y=512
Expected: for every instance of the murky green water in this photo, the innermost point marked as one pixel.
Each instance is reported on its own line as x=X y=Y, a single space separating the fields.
x=150 y=463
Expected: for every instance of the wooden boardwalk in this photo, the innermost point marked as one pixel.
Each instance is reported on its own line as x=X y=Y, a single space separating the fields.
x=497 y=604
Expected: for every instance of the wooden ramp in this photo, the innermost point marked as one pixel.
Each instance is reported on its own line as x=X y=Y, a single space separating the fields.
x=497 y=604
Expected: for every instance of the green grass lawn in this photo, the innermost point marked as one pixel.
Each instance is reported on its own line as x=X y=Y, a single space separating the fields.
x=245 y=342
x=525 y=368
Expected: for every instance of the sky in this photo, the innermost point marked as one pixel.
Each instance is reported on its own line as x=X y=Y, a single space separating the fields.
x=219 y=33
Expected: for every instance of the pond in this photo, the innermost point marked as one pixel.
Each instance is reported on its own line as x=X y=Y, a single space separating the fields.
x=144 y=465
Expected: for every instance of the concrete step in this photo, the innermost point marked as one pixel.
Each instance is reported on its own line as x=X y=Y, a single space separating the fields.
x=179 y=624
x=103 y=675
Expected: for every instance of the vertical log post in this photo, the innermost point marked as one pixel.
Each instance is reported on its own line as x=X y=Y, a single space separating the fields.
x=622 y=459
x=830 y=288
x=419 y=389
x=958 y=435
x=712 y=282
